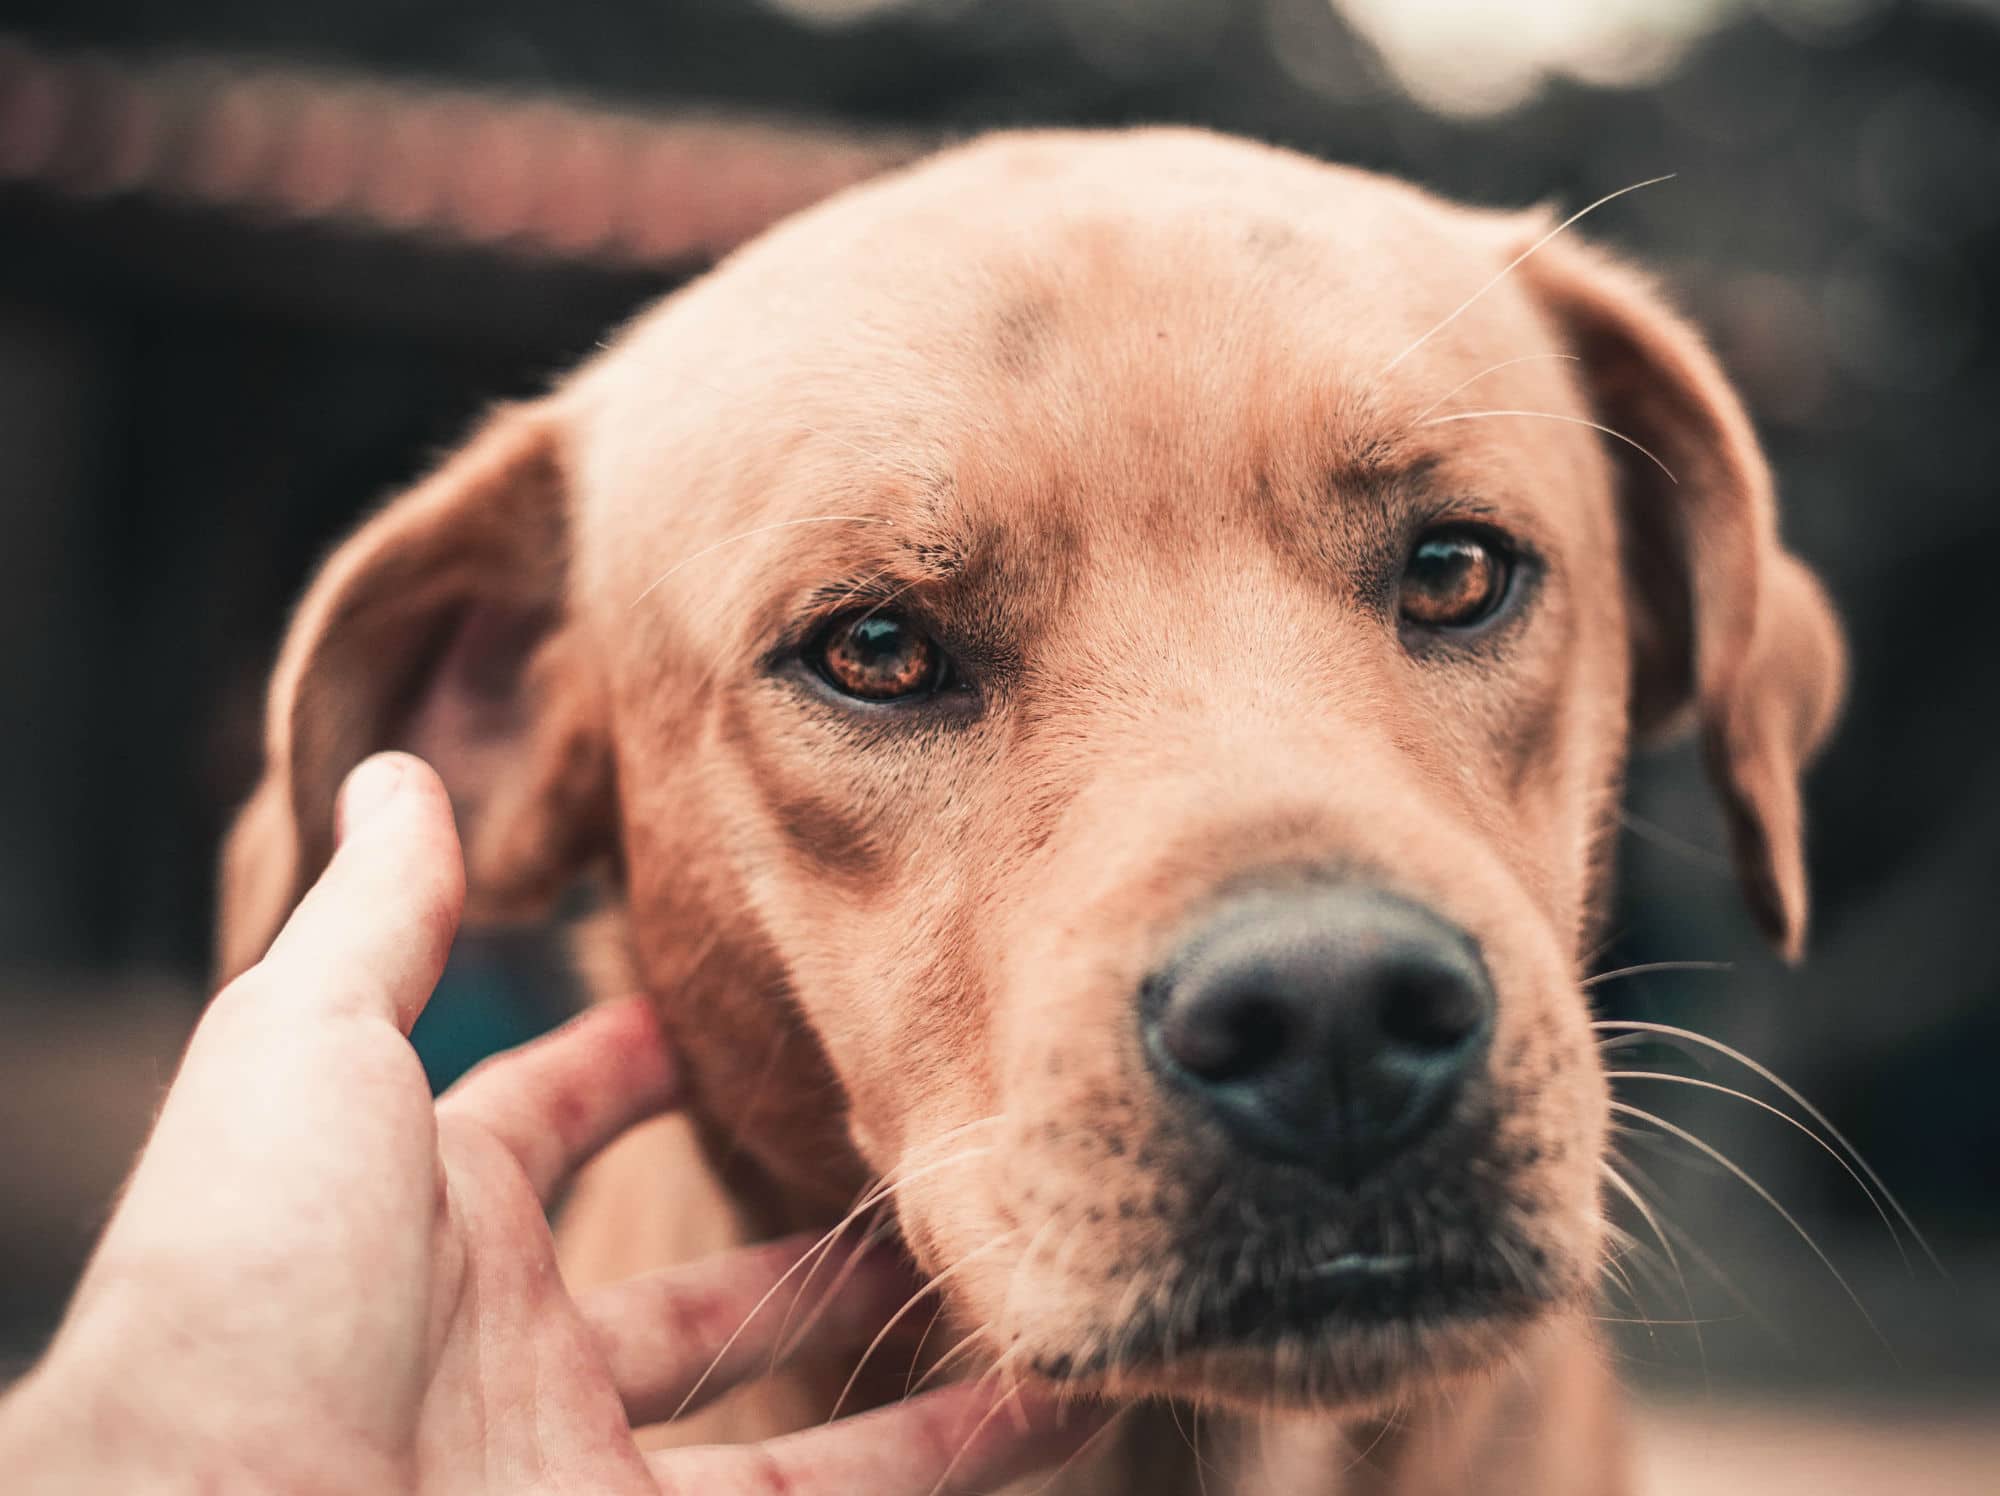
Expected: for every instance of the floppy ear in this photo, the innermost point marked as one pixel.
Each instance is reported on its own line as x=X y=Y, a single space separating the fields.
x=1726 y=624
x=439 y=627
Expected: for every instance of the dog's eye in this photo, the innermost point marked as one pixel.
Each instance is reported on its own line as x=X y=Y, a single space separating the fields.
x=879 y=657
x=1454 y=579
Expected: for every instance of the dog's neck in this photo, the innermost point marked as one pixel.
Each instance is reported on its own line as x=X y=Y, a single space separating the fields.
x=1547 y=1425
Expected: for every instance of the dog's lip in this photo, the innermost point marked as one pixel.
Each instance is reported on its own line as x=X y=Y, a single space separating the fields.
x=1357 y=1290
x=1354 y=1286
x=1367 y=1265
x=1351 y=1293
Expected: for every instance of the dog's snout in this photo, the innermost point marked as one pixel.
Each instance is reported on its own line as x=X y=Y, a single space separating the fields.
x=1325 y=1027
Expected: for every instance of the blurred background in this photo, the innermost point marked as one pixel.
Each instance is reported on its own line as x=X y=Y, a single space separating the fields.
x=259 y=263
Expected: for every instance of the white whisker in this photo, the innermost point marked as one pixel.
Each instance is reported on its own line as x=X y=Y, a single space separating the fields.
x=936 y=1281
x=1783 y=1116
x=814 y=1255
x=1710 y=1151
x=1792 y=1094
x=1508 y=363
x=1680 y=846
x=1646 y=968
x=1551 y=415
x=1515 y=263
x=1638 y=1202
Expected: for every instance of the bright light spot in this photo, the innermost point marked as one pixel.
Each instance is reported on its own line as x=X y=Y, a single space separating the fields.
x=1479 y=57
x=832 y=13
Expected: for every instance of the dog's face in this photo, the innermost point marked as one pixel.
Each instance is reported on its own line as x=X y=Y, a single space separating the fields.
x=1103 y=671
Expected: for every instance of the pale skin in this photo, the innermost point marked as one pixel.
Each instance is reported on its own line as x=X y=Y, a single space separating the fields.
x=321 y=1279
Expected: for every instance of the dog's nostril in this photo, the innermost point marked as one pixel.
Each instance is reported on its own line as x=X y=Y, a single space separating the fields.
x=1227 y=1040
x=1429 y=1012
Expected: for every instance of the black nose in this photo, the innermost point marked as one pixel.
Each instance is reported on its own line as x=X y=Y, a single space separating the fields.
x=1326 y=1026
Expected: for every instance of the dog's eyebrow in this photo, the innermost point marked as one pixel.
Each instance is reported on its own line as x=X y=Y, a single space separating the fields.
x=877 y=586
x=1383 y=471
x=901 y=554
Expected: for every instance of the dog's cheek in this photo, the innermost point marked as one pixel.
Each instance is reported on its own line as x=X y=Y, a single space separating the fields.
x=1551 y=1120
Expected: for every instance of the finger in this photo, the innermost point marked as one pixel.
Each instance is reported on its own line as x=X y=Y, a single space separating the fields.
x=676 y=1339
x=373 y=933
x=952 y=1442
x=555 y=1103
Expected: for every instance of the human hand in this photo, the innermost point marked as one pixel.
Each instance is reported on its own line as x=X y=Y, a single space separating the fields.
x=321 y=1279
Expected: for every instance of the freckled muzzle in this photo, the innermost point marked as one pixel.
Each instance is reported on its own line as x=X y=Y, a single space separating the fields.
x=1333 y=1193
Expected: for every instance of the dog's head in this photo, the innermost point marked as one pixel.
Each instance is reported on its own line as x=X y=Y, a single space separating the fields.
x=1100 y=670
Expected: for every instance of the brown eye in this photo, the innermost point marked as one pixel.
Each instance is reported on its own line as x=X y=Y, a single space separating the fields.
x=879 y=657
x=1453 y=580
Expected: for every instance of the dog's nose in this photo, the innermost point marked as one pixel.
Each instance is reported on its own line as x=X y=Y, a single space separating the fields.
x=1326 y=1026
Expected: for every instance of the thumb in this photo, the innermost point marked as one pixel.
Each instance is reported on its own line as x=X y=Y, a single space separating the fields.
x=373 y=933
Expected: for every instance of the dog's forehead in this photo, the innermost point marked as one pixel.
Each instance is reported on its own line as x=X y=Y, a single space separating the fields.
x=1129 y=334
x=985 y=264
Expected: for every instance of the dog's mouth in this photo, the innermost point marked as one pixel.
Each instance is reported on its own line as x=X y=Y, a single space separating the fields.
x=1355 y=1288
x=1330 y=1304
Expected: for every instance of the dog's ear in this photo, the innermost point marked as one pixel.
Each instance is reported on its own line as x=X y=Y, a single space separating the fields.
x=1726 y=625
x=439 y=627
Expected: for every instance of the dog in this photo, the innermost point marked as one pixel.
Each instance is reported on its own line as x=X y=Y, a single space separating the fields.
x=1093 y=676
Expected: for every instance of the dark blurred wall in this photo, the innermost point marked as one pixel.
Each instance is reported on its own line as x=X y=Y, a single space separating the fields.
x=193 y=402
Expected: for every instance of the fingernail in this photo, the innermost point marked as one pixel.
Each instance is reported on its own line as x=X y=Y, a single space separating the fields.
x=372 y=785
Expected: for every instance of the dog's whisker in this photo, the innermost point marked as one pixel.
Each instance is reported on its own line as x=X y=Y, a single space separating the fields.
x=1680 y=846
x=1699 y=1256
x=1011 y=1394
x=1507 y=363
x=1632 y=1026
x=871 y=1197
x=782 y=524
x=882 y=604
x=1201 y=1465
x=967 y=1346
x=1709 y=1150
x=1651 y=1323
x=999 y=1330
x=917 y=1354
x=787 y=1342
x=1375 y=1443
x=1648 y=968
x=1514 y=264
x=812 y=1254
x=1553 y=415
x=1638 y=1202
x=937 y=1281
x=737 y=1334
x=904 y=1174
x=1611 y=1268
x=1630 y=1248
x=895 y=1180
x=1077 y=1455
x=1787 y=1118
x=1596 y=953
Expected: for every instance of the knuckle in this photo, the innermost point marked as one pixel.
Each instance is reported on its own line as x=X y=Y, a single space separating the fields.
x=770 y=1476
x=694 y=1316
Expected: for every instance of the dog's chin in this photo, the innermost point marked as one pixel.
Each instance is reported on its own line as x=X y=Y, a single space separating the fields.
x=1352 y=1334
x=1353 y=1373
